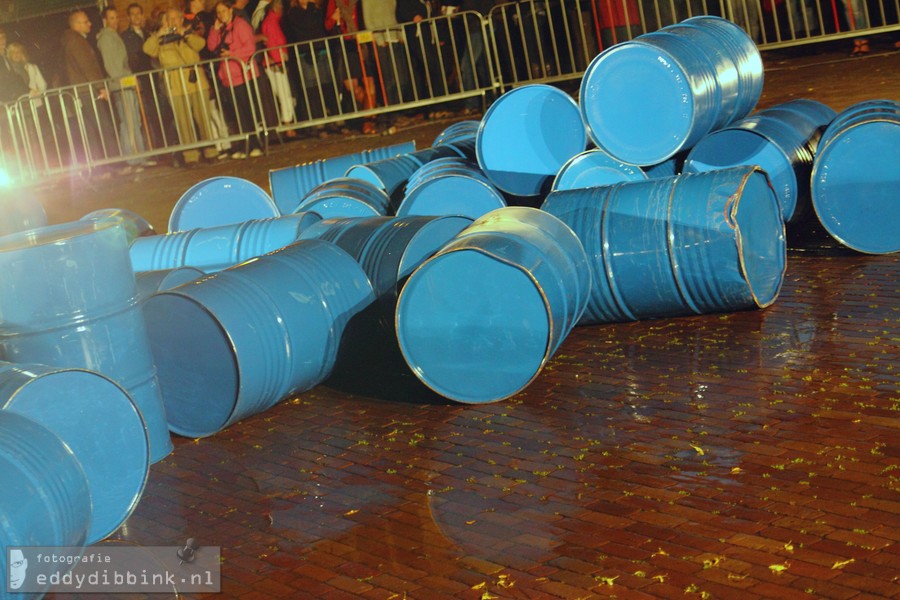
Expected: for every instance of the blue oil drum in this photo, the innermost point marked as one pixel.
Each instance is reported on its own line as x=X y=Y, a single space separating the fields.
x=780 y=140
x=97 y=420
x=235 y=343
x=526 y=136
x=595 y=168
x=46 y=500
x=135 y=225
x=856 y=177
x=477 y=321
x=218 y=248
x=221 y=201
x=290 y=184
x=83 y=311
x=450 y=186
x=346 y=197
x=694 y=244
x=647 y=99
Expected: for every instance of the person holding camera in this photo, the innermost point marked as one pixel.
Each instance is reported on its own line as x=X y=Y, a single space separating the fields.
x=232 y=39
x=177 y=48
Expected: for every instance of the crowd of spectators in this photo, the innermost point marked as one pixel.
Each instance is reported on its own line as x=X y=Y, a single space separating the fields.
x=193 y=73
x=179 y=74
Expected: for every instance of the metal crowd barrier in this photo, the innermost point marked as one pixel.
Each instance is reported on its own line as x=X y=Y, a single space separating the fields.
x=189 y=110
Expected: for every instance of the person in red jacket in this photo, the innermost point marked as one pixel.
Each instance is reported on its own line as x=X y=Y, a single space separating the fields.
x=232 y=39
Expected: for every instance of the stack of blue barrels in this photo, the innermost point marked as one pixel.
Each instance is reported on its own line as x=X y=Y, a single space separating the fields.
x=660 y=195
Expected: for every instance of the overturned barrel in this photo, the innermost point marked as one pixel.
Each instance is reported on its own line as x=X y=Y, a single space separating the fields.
x=219 y=201
x=98 y=422
x=46 y=500
x=346 y=197
x=150 y=282
x=235 y=343
x=450 y=186
x=780 y=140
x=646 y=99
x=218 y=248
x=349 y=234
x=526 y=136
x=694 y=244
x=135 y=225
x=461 y=130
x=391 y=174
x=290 y=184
x=856 y=177
x=81 y=311
x=477 y=322
x=595 y=168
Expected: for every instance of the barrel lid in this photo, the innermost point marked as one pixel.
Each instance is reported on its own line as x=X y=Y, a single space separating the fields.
x=639 y=124
x=473 y=327
x=221 y=201
x=854 y=186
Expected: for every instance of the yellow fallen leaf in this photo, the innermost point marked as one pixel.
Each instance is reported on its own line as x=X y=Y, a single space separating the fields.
x=660 y=552
x=488 y=596
x=351 y=512
x=698 y=449
x=736 y=470
x=842 y=563
x=733 y=577
x=779 y=568
x=789 y=546
x=608 y=580
x=479 y=586
x=660 y=578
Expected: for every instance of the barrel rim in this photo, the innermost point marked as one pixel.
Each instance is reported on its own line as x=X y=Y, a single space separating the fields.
x=232 y=347
x=55 y=234
x=814 y=179
x=732 y=217
x=544 y=300
x=142 y=484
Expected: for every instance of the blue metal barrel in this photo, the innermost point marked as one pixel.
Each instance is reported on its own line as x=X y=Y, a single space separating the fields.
x=693 y=244
x=450 y=186
x=150 y=282
x=135 y=225
x=460 y=130
x=595 y=168
x=290 y=184
x=477 y=322
x=856 y=177
x=526 y=136
x=221 y=201
x=98 y=422
x=778 y=140
x=46 y=500
x=647 y=99
x=349 y=234
x=82 y=311
x=346 y=197
x=235 y=343
x=220 y=247
x=398 y=247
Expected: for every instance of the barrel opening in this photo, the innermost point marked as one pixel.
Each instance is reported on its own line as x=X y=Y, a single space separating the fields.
x=762 y=254
x=188 y=340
